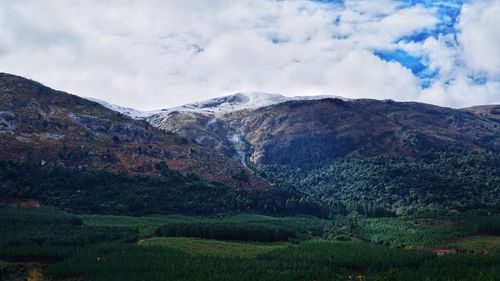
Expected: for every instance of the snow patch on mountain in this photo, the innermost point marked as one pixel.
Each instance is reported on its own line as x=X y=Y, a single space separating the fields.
x=215 y=106
x=240 y=101
x=133 y=113
x=231 y=103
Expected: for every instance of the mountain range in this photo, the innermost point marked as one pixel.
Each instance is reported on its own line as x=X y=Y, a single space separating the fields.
x=352 y=154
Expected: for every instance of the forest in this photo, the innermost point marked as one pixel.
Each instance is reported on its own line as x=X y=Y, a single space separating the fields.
x=225 y=231
x=105 y=192
x=429 y=219
x=431 y=185
x=434 y=185
x=63 y=246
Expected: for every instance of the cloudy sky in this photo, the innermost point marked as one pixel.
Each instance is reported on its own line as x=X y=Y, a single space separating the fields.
x=156 y=54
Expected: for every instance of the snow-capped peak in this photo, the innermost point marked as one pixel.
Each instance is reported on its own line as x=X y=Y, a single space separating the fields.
x=232 y=103
x=224 y=104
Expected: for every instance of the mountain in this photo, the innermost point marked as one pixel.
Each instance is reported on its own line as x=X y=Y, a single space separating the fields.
x=359 y=153
x=325 y=155
x=295 y=131
x=203 y=121
x=55 y=129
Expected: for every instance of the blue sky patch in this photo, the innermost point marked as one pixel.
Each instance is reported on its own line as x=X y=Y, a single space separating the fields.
x=447 y=13
x=414 y=63
x=411 y=62
x=478 y=79
x=417 y=37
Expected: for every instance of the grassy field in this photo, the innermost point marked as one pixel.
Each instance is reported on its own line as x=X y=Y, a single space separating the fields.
x=398 y=232
x=477 y=244
x=423 y=233
x=218 y=248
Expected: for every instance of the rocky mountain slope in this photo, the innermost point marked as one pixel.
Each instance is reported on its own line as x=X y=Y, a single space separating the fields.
x=301 y=131
x=52 y=128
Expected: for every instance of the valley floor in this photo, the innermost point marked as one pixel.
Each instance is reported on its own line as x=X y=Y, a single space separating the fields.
x=47 y=244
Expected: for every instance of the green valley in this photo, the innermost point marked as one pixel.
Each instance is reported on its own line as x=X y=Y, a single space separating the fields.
x=103 y=247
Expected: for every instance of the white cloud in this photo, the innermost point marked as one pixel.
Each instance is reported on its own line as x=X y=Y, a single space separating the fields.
x=460 y=92
x=480 y=36
x=360 y=74
x=377 y=29
x=474 y=56
x=152 y=54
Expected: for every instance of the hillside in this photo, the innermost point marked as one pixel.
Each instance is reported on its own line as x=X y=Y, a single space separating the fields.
x=363 y=155
x=299 y=131
x=55 y=129
x=302 y=131
x=491 y=112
